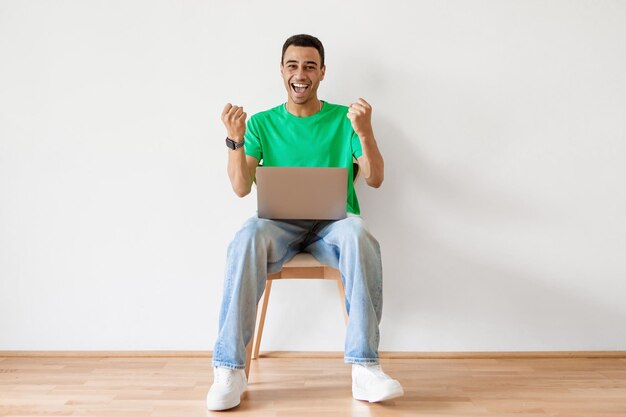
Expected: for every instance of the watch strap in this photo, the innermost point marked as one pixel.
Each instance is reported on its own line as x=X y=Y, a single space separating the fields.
x=234 y=145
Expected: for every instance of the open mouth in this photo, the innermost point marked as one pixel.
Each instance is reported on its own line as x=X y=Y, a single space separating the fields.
x=299 y=88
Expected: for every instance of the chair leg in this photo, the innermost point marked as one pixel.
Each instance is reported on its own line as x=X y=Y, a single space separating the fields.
x=342 y=293
x=248 y=354
x=261 y=322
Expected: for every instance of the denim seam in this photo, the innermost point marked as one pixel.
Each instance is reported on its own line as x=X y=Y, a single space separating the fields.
x=227 y=287
x=349 y=359
x=222 y=364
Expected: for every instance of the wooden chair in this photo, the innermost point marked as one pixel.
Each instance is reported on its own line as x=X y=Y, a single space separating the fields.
x=302 y=266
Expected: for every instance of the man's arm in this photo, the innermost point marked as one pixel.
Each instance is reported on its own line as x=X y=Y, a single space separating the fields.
x=241 y=167
x=371 y=162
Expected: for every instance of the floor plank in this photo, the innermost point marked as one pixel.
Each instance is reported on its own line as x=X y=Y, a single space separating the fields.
x=170 y=386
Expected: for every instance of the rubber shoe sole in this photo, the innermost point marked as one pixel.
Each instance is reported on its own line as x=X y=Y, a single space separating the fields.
x=223 y=405
x=387 y=392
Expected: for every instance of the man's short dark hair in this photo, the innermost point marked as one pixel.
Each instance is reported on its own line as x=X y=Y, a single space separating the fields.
x=305 y=41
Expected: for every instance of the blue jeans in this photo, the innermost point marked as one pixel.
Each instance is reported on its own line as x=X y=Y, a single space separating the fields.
x=262 y=246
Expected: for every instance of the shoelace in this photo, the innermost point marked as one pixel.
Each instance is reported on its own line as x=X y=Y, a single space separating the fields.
x=376 y=370
x=223 y=376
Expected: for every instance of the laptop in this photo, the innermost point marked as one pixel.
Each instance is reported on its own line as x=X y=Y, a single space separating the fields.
x=301 y=193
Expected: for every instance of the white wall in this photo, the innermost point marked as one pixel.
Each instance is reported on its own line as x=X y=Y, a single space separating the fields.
x=503 y=215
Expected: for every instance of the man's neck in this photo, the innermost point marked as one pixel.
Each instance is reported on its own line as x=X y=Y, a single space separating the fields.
x=305 y=109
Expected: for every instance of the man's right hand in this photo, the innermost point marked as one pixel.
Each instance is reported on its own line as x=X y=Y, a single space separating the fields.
x=234 y=118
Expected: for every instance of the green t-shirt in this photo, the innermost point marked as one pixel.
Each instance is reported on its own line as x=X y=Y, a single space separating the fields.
x=325 y=139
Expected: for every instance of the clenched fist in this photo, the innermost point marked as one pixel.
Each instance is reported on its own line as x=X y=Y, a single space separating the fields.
x=360 y=115
x=234 y=118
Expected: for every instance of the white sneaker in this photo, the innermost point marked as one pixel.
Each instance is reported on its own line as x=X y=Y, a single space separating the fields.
x=370 y=383
x=228 y=385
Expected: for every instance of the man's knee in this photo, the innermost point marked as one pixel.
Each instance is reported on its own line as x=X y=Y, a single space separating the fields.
x=356 y=228
x=254 y=230
x=255 y=226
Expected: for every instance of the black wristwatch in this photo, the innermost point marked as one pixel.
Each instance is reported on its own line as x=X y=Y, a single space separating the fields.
x=232 y=144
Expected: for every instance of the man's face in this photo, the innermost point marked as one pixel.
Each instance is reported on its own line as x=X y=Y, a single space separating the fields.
x=302 y=73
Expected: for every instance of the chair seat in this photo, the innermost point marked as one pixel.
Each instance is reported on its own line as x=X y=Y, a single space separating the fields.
x=305 y=266
x=303 y=260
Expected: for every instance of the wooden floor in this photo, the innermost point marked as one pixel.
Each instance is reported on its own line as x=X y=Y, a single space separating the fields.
x=160 y=387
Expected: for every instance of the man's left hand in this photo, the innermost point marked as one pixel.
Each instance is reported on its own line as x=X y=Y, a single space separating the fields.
x=360 y=115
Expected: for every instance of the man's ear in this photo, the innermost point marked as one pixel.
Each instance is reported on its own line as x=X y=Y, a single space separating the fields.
x=323 y=72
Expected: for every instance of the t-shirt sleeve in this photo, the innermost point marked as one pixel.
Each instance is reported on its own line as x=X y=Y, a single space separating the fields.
x=356 y=145
x=252 y=144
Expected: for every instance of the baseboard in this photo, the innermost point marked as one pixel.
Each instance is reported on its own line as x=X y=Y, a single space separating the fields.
x=322 y=355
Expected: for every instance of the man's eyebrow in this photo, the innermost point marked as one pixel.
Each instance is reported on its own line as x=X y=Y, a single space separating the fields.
x=293 y=61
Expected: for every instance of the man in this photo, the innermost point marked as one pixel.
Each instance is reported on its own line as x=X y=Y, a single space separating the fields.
x=304 y=131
